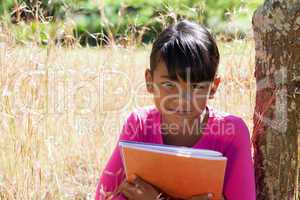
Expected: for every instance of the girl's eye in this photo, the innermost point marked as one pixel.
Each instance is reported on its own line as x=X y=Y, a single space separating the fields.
x=198 y=87
x=168 y=85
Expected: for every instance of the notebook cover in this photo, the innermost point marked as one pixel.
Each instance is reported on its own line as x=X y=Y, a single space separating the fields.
x=179 y=176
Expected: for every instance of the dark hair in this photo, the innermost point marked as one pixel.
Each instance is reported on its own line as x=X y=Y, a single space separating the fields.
x=186 y=45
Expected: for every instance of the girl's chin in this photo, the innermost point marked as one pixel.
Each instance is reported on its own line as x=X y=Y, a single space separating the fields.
x=181 y=117
x=180 y=114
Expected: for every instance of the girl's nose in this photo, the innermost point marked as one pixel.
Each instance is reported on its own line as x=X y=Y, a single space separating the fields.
x=185 y=100
x=186 y=95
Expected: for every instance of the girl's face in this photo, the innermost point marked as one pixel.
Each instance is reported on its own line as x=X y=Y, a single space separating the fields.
x=178 y=100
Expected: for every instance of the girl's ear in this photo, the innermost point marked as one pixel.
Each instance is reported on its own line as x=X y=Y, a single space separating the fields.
x=214 y=87
x=149 y=80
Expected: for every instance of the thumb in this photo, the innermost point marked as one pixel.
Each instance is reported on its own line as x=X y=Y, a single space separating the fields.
x=134 y=176
x=208 y=196
x=139 y=181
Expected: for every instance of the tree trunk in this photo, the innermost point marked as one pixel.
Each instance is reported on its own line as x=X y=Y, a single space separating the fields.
x=276 y=118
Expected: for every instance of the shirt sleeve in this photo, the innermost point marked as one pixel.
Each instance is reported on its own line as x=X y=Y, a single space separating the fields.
x=239 y=180
x=113 y=173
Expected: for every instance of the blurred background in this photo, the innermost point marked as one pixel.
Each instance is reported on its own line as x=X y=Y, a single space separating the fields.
x=99 y=22
x=72 y=70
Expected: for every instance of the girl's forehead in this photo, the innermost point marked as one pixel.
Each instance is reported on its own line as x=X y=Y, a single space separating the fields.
x=161 y=68
x=161 y=72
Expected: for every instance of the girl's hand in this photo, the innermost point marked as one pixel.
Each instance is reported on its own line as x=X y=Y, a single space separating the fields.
x=138 y=190
x=203 y=197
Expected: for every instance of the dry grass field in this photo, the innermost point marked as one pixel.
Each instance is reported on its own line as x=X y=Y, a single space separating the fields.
x=62 y=110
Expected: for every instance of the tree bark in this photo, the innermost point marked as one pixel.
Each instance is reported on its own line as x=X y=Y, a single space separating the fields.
x=276 y=27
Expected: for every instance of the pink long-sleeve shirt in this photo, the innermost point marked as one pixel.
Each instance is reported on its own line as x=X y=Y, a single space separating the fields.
x=224 y=132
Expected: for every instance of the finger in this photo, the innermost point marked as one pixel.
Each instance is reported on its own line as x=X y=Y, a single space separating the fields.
x=125 y=185
x=202 y=197
x=130 y=188
x=127 y=194
x=199 y=198
x=210 y=195
x=140 y=182
x=143 y=184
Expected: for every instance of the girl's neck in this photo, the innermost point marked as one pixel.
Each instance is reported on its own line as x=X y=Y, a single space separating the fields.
x=188 y=134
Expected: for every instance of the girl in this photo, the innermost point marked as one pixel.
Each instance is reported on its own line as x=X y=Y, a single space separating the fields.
x=182 y=77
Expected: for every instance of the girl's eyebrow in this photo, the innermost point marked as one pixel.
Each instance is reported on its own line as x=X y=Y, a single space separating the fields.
x=168 y=77
x=202 y=83
x=165 y=76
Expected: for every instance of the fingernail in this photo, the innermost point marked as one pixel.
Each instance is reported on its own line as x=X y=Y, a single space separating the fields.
x=210 y=195
x=134 y=176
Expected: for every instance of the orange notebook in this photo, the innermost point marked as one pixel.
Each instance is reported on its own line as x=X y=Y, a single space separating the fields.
x=181 y=172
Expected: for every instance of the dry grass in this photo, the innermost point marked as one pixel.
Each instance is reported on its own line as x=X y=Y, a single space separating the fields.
x=54 y=134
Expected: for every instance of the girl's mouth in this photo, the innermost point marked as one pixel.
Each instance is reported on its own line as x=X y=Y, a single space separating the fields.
x=179 y=112
x=183 y=112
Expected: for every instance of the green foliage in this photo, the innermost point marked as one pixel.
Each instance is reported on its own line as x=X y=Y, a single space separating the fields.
x=231 y=16
x=33 y=32
x=5 y=6
x=140 y=20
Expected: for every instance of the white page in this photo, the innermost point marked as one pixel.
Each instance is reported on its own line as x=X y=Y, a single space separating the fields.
x=175 y=150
